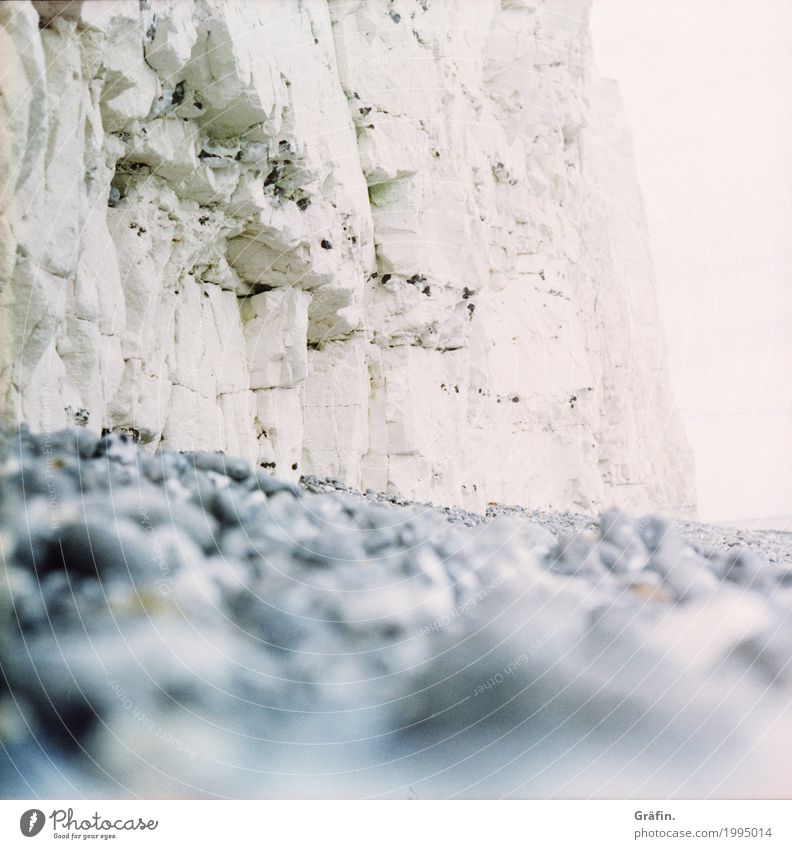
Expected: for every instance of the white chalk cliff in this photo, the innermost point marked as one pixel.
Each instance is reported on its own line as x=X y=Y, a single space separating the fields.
x=399 y=242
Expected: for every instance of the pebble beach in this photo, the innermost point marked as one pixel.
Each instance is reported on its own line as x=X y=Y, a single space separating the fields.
x=182 y=625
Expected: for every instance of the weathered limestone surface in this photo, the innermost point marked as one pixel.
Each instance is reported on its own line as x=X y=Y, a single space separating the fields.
x=396 y=242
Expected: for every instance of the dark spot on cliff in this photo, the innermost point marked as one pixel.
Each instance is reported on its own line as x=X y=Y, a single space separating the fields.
x=303 y=204
x=353 y=239
x=456 y=389
x=203 y=219
x=284 y=145
x=426 y=290
x=394 y=16
x=471 y=309
x=197 y=104
x=267 y=465
x=515 y=399
x=369 y=126
x=364 y=110
x=114 y=197
x=294 y=467
x=206 y=294
x=355 y=95
x=272 y=177
x=436 y=154
x=125 y=434
x=542 y=274
x=178 y=94
x=386 y=277
x=316 y=41
x=79 y=417
x=238 y=156
x=326 y=244
x=152 y=28
x=467 y=293
x=416 y=279
x=375 y=275
x=424 y=4
x=443 y=386
x=572 y=401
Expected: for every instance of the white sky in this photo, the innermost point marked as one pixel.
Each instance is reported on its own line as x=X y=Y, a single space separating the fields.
x=708 y=89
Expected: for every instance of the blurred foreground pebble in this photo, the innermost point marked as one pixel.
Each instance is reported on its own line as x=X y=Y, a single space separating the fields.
x=183 y=625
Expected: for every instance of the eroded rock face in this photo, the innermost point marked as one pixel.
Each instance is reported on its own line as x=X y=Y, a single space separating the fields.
x=399 y=243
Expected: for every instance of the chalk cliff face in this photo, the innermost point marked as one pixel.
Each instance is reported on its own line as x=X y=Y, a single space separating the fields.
x=396 y=242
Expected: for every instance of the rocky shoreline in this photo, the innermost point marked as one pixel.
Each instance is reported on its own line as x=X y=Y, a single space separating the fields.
x=187 y=625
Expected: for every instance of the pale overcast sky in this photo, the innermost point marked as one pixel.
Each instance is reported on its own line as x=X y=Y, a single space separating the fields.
x=707 y=85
